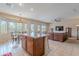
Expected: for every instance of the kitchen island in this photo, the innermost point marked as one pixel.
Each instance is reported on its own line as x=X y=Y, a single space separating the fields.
x=60 y=36
x=34 y=45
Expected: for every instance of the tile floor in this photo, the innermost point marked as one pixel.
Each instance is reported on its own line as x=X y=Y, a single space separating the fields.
x=68 y=48
x=14 y=48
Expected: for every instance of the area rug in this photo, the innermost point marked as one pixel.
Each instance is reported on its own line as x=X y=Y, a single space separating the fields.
x=7 y=54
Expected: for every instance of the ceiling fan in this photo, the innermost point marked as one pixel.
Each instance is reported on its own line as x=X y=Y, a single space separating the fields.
x=58 y=19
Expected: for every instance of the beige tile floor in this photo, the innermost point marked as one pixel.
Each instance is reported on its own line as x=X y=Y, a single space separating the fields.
x=68 y=48
x=14 y=48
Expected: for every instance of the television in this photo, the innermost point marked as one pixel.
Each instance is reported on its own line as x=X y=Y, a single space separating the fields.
x=59 y=28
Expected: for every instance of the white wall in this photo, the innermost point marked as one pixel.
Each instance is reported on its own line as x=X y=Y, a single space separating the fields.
x=67 y=23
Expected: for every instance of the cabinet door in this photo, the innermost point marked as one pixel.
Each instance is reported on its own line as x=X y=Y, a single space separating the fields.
x=30 y=45
x=39 y=46
x=59 y=36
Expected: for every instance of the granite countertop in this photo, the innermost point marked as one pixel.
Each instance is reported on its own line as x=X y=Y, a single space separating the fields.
x=35 y=36
x=59 y=31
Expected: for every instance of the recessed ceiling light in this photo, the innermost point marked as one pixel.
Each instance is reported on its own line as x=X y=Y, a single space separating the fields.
x=32 y=9
x=20 y=4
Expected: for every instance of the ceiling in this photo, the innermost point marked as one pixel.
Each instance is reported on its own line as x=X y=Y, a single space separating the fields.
x=42 y=11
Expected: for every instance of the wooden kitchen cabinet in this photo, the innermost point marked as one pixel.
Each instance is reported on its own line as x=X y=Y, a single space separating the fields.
x=39 y=46
x=35 y=46
x=57 y=36
x=60 y=37
x=51 y=36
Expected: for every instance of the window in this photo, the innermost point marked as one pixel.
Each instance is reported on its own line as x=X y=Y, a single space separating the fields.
x=43 y=27
x=3 y=26
x=38 y=28
x=12 y=26
x=32 y=27
x=32 y=30
x=19 y=27
x=25 y=27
